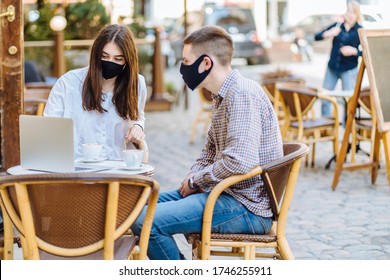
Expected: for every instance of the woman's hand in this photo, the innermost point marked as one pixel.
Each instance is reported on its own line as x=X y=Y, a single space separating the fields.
x=135 y=134
x=333 y=32
x=348 y=51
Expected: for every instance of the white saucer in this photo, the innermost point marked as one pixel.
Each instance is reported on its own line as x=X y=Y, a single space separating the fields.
x=91 y=160
x=130 y=168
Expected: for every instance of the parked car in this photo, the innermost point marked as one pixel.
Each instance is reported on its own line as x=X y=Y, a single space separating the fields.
x=238 y=22
x=312 y=24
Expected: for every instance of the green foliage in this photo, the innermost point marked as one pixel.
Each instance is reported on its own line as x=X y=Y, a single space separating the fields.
x=40 y=29
x=85 y=19
x=138 y=27
x=171 y=88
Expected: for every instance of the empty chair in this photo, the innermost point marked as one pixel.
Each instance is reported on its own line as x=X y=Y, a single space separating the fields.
x=301 y=123
x=8 y=237
x=35 y=97
x=274 y=96
x=363 y=127
x=279 y=178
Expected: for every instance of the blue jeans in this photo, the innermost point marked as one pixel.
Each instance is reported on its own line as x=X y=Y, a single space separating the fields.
x=348 y=80
x=175 y=214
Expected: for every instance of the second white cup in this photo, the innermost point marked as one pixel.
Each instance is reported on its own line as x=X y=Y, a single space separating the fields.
x=91 y=151
x=133 y=158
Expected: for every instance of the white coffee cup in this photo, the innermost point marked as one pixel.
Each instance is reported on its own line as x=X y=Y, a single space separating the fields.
x=133 y=158
x=91 y=151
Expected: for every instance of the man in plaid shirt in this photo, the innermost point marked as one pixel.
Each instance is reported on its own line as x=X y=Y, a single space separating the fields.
x=244 y=133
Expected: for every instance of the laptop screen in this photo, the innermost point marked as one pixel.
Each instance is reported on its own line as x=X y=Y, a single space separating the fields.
x=46 y=144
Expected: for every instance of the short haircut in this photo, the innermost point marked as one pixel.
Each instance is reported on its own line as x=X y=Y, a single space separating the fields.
x=212 y=40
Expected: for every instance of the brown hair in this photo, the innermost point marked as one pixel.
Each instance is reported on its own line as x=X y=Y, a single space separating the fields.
x=125 y=95
x=212 y=40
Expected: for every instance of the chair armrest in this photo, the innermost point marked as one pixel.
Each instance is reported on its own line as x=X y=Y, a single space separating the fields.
x=35 y=100
x=39 y=85
x=329 y=98
x=258 y=170
x=333 y=101
x=286 y=159
x=217 y=190
x=228 y=182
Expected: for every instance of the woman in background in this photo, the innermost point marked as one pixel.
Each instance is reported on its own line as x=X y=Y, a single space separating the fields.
x=344 y=54
x=106 y=100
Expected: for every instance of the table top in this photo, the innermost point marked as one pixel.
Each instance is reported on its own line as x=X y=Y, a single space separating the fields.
x=112 y=166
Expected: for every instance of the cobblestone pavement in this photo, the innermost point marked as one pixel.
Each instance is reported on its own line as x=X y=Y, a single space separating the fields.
x=352 y=222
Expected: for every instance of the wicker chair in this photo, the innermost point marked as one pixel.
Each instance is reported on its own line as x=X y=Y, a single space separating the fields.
x=8 y=237
x=279 y=179
x=35 y=97
x=204 y=114
x=301 y=124
x=79 y=215
x=363 y=128
x=275 y=98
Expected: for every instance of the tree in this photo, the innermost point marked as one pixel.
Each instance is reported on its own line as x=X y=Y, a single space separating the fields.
x=85 y=19
x=40 y=28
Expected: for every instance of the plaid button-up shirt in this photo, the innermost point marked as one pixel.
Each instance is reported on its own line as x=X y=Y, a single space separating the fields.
x=244 y=133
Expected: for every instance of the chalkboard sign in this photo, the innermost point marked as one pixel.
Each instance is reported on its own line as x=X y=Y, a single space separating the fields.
x=376 y=55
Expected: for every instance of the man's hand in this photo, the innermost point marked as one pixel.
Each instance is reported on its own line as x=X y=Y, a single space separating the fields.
x=184 y=189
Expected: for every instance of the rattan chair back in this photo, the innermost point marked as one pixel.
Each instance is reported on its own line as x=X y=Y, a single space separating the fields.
x=276 y=175
x=76 y=214
x=301 y=123
x=279 y=178
x=307 y=97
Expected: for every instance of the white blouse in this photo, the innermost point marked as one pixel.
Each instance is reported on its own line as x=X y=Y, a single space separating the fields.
x=108 y=129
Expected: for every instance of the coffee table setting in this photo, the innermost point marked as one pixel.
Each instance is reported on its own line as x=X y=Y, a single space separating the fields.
x=131 y=164
x=118 y=166
x=92 y=161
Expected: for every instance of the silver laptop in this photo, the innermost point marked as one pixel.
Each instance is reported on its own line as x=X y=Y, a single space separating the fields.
x=46 y=144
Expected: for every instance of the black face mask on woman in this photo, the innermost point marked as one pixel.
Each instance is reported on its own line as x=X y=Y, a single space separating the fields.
x=111 y=69
x=190 y=73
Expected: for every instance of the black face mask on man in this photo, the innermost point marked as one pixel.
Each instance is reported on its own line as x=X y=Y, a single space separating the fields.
x=111 y=69
x=190 y=73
